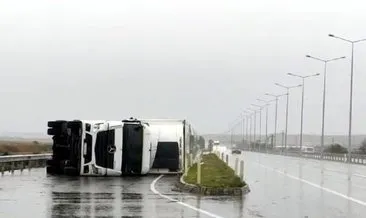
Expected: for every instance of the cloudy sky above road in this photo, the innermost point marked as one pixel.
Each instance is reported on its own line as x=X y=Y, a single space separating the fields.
x=201 y=60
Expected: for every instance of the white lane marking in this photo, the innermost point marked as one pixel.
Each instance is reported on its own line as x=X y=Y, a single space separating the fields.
x=153 y=189
x=319 y=162
x=316 y=186
x=360 y=175
x=361 y=187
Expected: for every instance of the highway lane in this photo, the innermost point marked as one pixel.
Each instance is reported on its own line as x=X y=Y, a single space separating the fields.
x=296 y=187
x=42 y=195
x=280 y=187
x=39 y=195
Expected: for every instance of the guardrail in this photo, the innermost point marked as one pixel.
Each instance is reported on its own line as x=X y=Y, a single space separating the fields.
x=21 y=162
x=355 y=158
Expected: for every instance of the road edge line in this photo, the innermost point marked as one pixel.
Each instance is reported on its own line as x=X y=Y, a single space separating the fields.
x=153 y=189
x=315 y=185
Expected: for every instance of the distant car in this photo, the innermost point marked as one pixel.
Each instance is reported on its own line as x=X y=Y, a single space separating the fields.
x=306 y=149
x=236 y=151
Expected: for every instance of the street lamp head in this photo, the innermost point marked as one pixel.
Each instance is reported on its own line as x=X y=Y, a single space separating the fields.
x=317 y=74
x=330 y=35
x=308 y=56
x=277 y=84
x=268 y=94
x=290 y=74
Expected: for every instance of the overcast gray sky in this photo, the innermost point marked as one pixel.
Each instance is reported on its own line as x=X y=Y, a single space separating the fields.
x=202 y=60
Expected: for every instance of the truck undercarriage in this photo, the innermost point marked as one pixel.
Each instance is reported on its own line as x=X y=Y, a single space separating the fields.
x=67 y=140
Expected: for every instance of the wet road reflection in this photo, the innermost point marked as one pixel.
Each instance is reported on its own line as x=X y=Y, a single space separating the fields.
x=50 y=196
x=280 y=187
x=306 y=188
x=96 y=197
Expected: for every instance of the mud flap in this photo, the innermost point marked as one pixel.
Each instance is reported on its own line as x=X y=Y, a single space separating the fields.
x=167 y=156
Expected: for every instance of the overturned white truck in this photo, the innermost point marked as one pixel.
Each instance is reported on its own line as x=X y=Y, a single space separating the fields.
x=117 y=148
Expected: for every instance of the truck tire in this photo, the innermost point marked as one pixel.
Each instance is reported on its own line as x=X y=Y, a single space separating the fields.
x=50 y=162
x=71 y=171
x=53 y=170
x=57 y=123
x=54 y=131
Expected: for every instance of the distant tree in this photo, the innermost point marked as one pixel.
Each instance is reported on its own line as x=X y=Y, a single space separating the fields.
x=201 y=142
x=363 y=147
x=35 y=142
x=336 y=148
x=210 y=144
x=262 y=146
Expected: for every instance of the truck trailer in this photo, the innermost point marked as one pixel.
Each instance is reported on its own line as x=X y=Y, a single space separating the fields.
x=175 y=140
x=119 y=148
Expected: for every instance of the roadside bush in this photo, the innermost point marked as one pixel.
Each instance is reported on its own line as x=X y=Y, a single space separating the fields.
x=336 y=148
x=362 y=148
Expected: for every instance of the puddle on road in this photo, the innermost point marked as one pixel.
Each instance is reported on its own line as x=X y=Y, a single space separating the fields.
x=87 y=203
x=131 y=196
x=254 y=213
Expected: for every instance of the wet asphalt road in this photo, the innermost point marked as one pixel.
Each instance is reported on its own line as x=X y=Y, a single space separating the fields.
x=297 y=192
x=293 y=187
x=48 y=196
x=40 y=195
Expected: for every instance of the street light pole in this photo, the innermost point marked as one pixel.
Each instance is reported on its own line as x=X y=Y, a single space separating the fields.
x=250 y=129
x=231 y=137
x=260 y=121
x=255 y=121
x=302 y=103
x=351 y=92
x=232 y=127
x=266 y=105
x=255 y=124
x=287 y=100
x=245 y=127
x=325 y=61
x=276 y=107
x=288 y=94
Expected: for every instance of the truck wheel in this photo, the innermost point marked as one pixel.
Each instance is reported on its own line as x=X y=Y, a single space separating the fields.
x=50 y=162
x=73 y=124
x=53 y=170
x=71 y=171
x=57 y=123
x=54 y=131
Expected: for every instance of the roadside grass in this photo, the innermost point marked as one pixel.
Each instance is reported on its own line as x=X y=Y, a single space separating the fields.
x=24 y=147
x=214 y=173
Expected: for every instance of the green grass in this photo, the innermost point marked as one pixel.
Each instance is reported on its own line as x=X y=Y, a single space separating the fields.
x=214 y=173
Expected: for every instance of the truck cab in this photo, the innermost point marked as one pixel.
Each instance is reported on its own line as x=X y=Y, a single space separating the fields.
x=100 y=147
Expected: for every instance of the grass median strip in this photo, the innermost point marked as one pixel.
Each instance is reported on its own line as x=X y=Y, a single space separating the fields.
x=214 y=173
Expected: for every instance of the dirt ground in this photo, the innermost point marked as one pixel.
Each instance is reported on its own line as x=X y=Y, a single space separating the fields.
x=24 y=147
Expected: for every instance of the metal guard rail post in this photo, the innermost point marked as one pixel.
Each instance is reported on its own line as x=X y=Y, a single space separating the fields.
x=20 y=162
x=355 y=158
